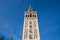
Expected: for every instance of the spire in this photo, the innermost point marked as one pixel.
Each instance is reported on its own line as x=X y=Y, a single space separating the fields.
x=30 y=8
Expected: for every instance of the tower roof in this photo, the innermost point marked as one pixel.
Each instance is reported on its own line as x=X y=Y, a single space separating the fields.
x=30 y=8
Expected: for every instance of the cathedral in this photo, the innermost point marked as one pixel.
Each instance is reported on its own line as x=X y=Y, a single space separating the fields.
x=30 y=27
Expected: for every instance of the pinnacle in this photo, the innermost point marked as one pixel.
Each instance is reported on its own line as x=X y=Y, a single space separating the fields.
x=30 y=7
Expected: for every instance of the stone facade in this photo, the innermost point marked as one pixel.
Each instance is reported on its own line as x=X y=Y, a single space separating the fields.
x=30 y=27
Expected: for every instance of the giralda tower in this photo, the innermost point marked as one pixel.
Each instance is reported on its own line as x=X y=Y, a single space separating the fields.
x=30 y=27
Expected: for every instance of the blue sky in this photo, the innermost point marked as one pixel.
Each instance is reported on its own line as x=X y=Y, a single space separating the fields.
x=12 y=18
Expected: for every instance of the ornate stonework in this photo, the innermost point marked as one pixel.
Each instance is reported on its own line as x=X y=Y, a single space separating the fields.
x=30 y=28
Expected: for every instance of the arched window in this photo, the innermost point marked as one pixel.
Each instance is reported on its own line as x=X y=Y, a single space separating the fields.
x=30 y=15
x=35 y=15
x=30 y=26
x=25 y=15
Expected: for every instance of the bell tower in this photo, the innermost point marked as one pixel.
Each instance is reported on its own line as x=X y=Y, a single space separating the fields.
x=30 y=27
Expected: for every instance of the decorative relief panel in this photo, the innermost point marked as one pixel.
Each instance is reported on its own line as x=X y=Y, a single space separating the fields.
x=30 y=31
x=30 y=36
x=30 y=24
x=26 y=24
x=34 y=23
x=35 y=33
x=25 y=33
